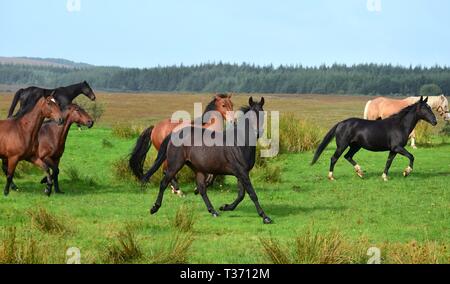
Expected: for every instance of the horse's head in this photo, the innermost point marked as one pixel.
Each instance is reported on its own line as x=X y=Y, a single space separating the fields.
x=87 y=91
x=51 y=110
x=442 y=107
x=257 y=108
x=76 y=114
x=425 y=112
x=224 y=106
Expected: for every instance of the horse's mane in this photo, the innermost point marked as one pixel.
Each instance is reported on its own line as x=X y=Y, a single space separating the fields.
x=245 y=109
x=30 y=103
x=404 y=111
x=212 y=104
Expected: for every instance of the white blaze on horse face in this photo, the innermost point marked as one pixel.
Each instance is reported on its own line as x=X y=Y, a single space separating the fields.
x=53 y=100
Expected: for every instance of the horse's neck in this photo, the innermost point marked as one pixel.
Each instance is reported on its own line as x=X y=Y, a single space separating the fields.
x=32 y=122
x=409 y=122
x=64 y=130
x=215 y=123
x=74 y=90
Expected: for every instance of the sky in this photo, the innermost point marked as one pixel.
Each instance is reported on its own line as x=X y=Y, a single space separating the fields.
x=147 y=33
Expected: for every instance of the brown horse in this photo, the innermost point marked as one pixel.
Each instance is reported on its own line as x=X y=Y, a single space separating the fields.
x=381 y=108
x=220 y=108
x=19 y=137
x=52 y=140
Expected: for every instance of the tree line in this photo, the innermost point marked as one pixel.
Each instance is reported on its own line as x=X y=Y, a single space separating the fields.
x=369 y=79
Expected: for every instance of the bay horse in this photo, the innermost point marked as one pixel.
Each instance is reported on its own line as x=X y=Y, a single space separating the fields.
x=381 y=108
x=63 y=95
x=390 y=134
x=19 y=136
x=52 y=141
x=235 y=159
x=218 y=110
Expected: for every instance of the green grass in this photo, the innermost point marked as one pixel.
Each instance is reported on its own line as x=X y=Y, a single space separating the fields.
x=97 y=206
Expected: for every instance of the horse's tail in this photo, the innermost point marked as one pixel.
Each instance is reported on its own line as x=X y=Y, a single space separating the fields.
x=139 y=153
x=162 y=156
x=14 y=102
x=330 y=135
x=366 y=110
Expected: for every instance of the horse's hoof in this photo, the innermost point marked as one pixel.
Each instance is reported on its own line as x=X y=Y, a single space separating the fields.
x=196 y=192
x=384 y=177
x=414 y=147
x=407 y=171
x=224 y=207
x=215 y=214
x=154 y=210
x=6 y=193
x=330 y=176
x=14 y=187
x=48 y=192
x=267 y=220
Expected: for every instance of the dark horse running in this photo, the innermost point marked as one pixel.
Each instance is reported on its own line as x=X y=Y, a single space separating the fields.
x=390 y=134
x=63 y=95
x=236 y=159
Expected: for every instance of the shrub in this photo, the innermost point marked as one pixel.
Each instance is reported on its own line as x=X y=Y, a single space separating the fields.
x=424 y=132
x=95 y=109
x=430 y=90
x=298 y=135
x=125 y=131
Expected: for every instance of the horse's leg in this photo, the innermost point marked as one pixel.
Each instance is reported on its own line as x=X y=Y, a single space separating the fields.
x=40 y=163
x=176 y=163
x=247 y=184
x=402 y=151
x=12 y=164
x=13 y=186
x=201 y=186
x=173 y=182
x=349 y=157
x=337 y=154
x=240 y=197
x=413 y=139
x=388 y=165
x=55 y=174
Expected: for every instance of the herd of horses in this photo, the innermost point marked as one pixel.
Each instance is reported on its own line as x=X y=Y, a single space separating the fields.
x=37 y=133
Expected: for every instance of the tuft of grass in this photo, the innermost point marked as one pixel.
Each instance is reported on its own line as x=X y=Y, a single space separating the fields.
x=273 y=250
x=45 y=222
x=176 y=250
x=125 y=131
x=14 y=251
x=106 y=143
x=298 y=135
x=126 y=250
x=417 y=253
x=73 y=173
x=184 y=219
x=445 y=129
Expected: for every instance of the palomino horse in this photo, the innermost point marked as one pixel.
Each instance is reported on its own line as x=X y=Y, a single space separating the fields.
x=234 y=159
x=390 y=134
x=52 y=140
x=220 y=108
x=381 y=108
x=62 y=95
x=19 y=137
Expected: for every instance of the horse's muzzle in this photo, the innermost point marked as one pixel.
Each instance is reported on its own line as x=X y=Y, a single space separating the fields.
x=92 y=98
x=90 y=124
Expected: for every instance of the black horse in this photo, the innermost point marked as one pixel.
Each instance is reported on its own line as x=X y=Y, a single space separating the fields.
x=63 y=95
x=390 y=134
x=236 y=158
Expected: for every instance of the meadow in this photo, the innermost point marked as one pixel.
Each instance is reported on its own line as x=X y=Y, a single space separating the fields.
x=105 y=213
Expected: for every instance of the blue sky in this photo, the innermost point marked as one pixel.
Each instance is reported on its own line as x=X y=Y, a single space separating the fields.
x=139 y=33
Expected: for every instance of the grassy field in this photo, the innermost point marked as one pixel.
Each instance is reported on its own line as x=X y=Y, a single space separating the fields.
x=108 y=218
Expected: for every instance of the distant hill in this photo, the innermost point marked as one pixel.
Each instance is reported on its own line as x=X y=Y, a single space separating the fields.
x=49 y=62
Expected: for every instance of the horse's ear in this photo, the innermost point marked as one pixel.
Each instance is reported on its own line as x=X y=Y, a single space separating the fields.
x=425 y=100
x=442 y=97
x=421 y=99
x=250 y=101
x=217 y=97
x=261 y=103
